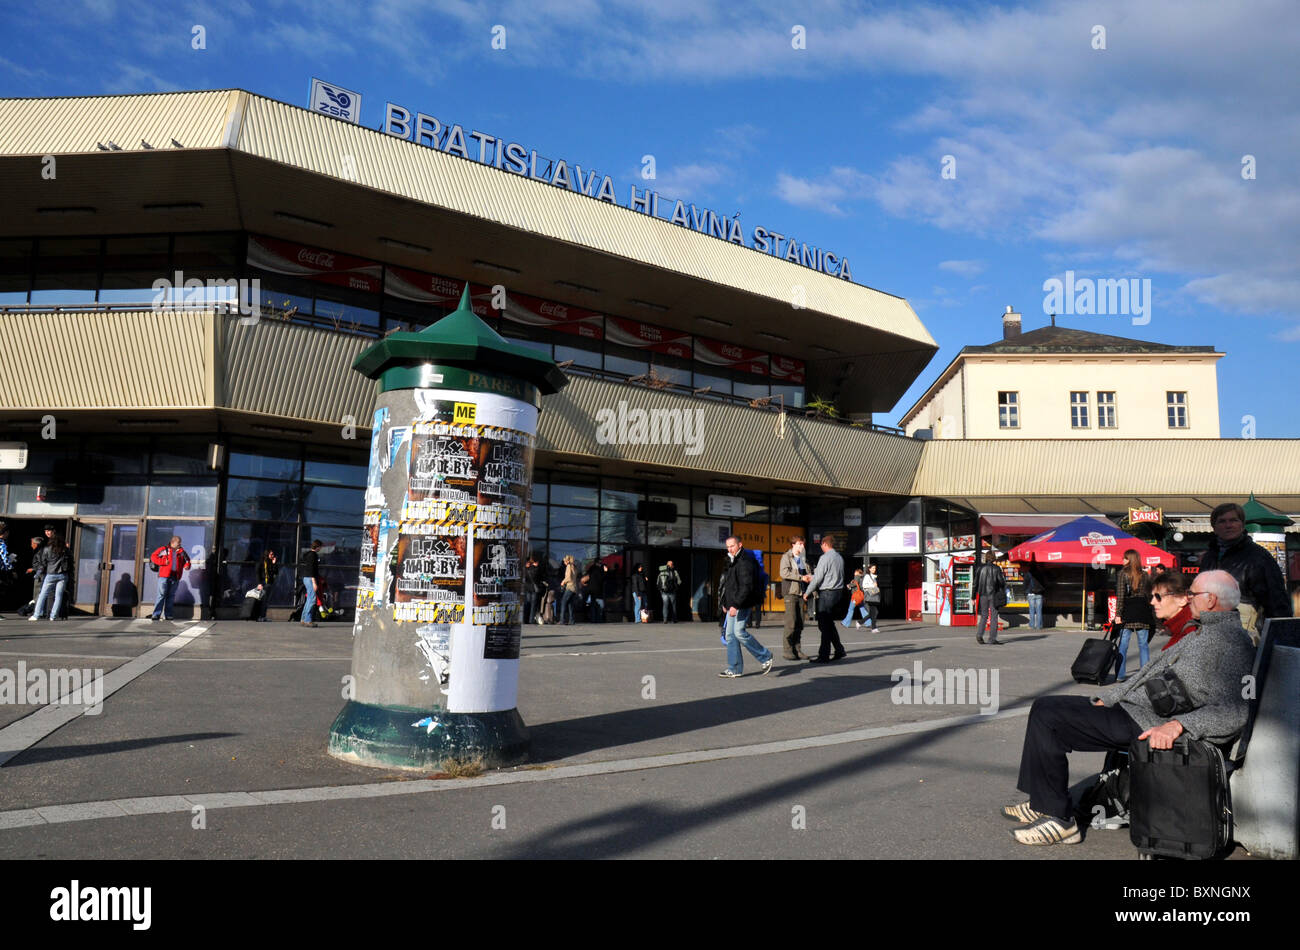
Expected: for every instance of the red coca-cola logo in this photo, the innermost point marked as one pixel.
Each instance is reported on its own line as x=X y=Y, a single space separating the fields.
x=319 y=258
x=555 y=310
x=733 y=351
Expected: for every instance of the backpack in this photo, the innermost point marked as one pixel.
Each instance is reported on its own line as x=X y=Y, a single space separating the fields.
x=668 y=580
x=762 y=581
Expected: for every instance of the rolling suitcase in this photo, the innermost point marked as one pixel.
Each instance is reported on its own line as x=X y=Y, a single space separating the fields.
x=1094 y=661
x=1179 y=806
x=248 y=609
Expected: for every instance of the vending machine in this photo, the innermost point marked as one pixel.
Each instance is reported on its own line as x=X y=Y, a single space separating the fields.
x=963 y=591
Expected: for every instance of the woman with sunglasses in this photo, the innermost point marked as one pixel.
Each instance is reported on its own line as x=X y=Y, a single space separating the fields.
x=1172 y=606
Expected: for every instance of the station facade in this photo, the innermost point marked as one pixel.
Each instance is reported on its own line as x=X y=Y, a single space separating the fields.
x=185 y=279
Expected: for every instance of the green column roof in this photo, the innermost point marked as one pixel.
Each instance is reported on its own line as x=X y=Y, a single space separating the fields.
x=1257 y=513
x=462 y=339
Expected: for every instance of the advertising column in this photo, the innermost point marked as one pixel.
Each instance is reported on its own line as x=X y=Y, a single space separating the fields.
x=435 y=662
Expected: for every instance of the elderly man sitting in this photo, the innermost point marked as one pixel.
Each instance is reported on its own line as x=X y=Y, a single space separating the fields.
x=1210 y=660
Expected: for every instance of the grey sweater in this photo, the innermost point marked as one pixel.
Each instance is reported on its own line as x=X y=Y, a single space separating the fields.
x=1211 y=663
x=829 y=573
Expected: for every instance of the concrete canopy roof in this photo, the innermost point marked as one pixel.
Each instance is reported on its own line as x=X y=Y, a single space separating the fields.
x=251 y=163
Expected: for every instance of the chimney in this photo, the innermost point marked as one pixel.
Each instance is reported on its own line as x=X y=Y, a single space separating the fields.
x=1010 y=324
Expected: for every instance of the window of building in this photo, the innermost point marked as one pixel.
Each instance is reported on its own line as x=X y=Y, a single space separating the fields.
x=1106 y=418
x=131 y=265
x=67 y=270
x=15 y=270
x=1177 y=403
x=1078 y=410
x=1008 y=410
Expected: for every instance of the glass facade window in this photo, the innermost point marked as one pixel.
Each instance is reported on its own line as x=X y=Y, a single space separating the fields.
x=719 y=385
x=185 y=500
x=1177 y=406
x=262 y=500
x=619 y=495
x=751 y=388
x=131 y=265
x=1106 y=418
x=574 y=494
x=346 y=316
x=250 y=540
x=581 y=355
x=1008 y=410
x=196 y=583
x=180 y=457
x=67 y=270
x=328 y=504
x=1079 y=410
x=264 y=466
x=793 y=396
x=626 y=361
x=334 y=473
x=619 y=527
x=676 y=371
x=15 y=270
x=572 y=524
x=116 y=499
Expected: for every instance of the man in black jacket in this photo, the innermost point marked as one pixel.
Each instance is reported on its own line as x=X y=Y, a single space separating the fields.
x=1263 y=590
x=741 y=593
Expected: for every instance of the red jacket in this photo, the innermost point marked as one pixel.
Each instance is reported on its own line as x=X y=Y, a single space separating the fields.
x=171 y=562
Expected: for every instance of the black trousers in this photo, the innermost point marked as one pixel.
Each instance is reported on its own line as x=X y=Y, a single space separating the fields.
x=1061 y=724
x=829 y=612
x=793 y=624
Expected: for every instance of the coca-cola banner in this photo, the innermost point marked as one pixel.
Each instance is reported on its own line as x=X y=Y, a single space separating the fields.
x=717 y=353
x=535 y=312
x=649 y=337
x=787 y=370
x=314 y=263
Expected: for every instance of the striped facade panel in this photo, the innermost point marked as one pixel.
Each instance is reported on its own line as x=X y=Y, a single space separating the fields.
x=294 y=372
x=1120 y=467
x=121 y=360
x=63 y=126
x=733 y=440
x=341 y=150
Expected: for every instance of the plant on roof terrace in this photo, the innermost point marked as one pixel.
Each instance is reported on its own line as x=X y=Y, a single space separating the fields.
x=817 y=406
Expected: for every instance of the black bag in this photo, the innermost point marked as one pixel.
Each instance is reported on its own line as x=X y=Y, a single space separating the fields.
x=1179 y=804
x=1102 y=801
x=1094 y=661
x=1168 y=695
x=248 y=609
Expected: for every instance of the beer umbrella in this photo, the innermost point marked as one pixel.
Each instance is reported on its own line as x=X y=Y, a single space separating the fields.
x=1090 y=542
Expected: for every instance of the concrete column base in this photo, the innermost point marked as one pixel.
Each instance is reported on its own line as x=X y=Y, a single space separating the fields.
x=395 y=737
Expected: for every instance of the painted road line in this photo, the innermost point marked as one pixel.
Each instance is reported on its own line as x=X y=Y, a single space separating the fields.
x=162 y=804
x=26 y=732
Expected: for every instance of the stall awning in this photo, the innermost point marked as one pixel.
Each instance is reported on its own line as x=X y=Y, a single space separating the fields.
x=1026 y=524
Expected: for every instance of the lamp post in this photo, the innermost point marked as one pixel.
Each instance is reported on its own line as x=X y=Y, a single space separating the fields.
x=435 y=659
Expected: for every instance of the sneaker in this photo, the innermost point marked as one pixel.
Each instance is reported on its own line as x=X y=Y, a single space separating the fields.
x=857 y=625
x=33 y=618
x=1021 y=813
x=767 y=666
x=730 y=675
x=1049 y=830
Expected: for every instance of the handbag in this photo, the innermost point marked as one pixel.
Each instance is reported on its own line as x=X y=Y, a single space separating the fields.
x=255 y=594
x=1168 y=695
x=858 y=596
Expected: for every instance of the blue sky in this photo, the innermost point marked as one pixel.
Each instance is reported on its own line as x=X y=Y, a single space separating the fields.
x=1117 y=162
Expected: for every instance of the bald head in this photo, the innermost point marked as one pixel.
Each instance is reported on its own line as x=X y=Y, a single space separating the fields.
x=1214 y=592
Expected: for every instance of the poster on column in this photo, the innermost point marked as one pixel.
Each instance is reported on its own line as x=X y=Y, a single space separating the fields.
x=369 y=557
x=430 y=576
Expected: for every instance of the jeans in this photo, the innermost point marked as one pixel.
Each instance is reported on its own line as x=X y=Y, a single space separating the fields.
x=636 y=607
x=566 y=606
x=309 y=608
x=1035 y=611
x=595 y=610
x=737 y=636
x=670 y=608
x=55 y=583
x=162 y=607
x=1143 y=633
x=853 y=610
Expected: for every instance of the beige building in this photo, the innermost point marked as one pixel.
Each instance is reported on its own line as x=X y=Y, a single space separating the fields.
x=1062 y=383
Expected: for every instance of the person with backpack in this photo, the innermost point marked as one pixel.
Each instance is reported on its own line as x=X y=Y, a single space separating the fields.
x=991 y=586
x=741 y=593
x=56 y=562
x=639 y=587
x=171 y=562
x=668 y=582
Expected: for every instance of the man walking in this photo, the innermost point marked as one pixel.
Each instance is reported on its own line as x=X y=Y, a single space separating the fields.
x=1263 y=590
x=668 y=582
x=741 y=594
x=794 y=575
x=172 y=562
x=310 y=583
x=1207 y=663
x=991 y=586
x=828 y=584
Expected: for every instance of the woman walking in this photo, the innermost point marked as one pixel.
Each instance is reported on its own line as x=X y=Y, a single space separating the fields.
x=310 y=583
x=857 y=600
x=56 y=561
x=871 y=588
x=570 y=588
x=1133 y=608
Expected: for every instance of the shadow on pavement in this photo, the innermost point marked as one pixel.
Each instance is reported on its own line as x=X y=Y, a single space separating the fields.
x=55 y=753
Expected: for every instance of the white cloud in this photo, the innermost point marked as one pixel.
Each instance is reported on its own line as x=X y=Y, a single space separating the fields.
x=966 y=269
x=825 y=194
